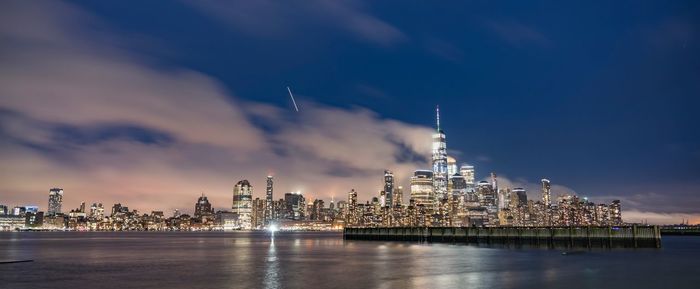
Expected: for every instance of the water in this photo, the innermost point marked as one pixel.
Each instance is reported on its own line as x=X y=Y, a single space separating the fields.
x=107 y=260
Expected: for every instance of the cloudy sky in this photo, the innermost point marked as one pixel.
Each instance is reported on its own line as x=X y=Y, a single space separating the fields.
x=152 y=104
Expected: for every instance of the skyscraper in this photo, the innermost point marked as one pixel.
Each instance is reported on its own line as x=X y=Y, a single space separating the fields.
x=351 y=214
x=494 y=182
x=439 y=161
x=451 y=166
x=422 y=188
x=269 y=212
x=389 y=188
x=546 y=193
x=467 y=172
x=55 y=201
x=615 y=213
x=258 y=214
x=295 y=206
x=243 y=203
x=520 y=195
x=202 y=207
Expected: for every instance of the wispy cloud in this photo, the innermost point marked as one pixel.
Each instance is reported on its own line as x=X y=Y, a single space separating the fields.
x=59 y=80
x=516 y=33
x=268 y=18
x=444 y=50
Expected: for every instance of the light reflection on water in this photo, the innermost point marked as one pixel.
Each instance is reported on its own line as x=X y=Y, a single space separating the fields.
x=324 y=260
x=271 y=280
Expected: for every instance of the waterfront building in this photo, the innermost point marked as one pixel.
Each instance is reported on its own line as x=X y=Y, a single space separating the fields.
x=317 y=210
x=422 y=188
x=243 y=203
x=202 y=208
x=97 y=211
x=351 y=217
x=226 y=220
x=258 y=215
x=34 y=219
x=487 y=200
x=19 y=211
x=55 y=201
x=295 y=206
x=11 y=222
x=269 y=202
x=439 y=149
x=615 y=211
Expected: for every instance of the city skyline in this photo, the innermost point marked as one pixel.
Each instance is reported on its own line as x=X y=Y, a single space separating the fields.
x=134 y=113
x=426 y=192
x=447 y=195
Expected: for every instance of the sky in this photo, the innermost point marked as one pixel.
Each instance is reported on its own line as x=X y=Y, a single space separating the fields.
x=152 y=104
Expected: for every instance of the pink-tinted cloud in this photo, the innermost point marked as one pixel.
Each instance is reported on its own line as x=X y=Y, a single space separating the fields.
x=51 y=77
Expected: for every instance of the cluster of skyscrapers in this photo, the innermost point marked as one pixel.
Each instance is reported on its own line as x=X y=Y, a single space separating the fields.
x=447 y=195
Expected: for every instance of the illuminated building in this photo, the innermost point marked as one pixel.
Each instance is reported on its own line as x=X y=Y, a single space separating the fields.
x=615 y=213
x=317 y=210
x=467 y=172
x=439 y=162
x=227 y=220
x=295 y=206
x=398 y=196
x=519 y=197
x=389 y=188
x=202 y=207
x=422 y=188
x=11 y=222
x=55 y=201
x=546 y=192
x=451 y=166
x=97 y=211
x=34 y=219
x=243 y=203
x=258 y=215
x=352 y=212
x=487 y=200
x=269 y=206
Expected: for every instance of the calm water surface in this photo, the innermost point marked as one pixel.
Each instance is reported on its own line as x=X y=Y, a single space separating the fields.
x=325 y=260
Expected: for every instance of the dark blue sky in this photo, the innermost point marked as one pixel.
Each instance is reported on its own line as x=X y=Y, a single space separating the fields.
x=601 y=96
x=593 y=94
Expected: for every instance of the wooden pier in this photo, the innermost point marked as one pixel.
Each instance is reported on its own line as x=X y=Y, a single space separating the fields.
x=568 y=237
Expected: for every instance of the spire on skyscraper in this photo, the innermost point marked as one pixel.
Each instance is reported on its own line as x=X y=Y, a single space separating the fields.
x=437 y=114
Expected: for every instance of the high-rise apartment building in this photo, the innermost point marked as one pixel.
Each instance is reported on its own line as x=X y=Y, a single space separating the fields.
x=269 y=210
x=243 y=203
x=422 y=188
x=546 y=193
x=55 y=201
x=295 y=206
x=388 y=188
